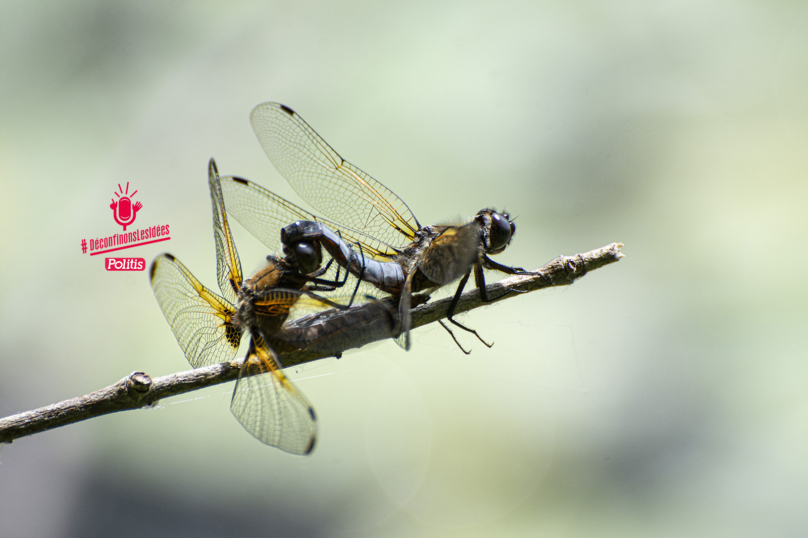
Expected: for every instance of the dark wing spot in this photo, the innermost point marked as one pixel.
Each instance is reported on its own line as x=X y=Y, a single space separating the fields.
x=240 y=180
x=233 y=335
x=310 y=447
x=152 y=269
x=288 y=110
x=170 y=256
x=311 y=412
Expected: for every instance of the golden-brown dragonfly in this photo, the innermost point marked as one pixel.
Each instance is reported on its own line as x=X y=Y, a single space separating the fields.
x=209 y=326
x=395 y=253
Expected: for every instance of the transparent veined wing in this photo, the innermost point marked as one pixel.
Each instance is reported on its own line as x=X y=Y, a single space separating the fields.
x=280 y=301
x=228 y=266
x=263 y=213
x=332 y=185
x=269 y=406
x=201 y=320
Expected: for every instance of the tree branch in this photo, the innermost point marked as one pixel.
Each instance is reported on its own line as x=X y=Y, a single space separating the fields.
x=138 y=390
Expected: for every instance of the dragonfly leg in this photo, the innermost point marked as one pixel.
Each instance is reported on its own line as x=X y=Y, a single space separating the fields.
x=453 y=337
x=361 y=273
x=488 y=263
x=323 y=270
x=326 y=285
x=331 y=285
x=479 y=280
x=453 y=306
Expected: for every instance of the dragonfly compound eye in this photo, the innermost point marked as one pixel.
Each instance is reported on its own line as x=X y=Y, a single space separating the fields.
x=499 y=232
x=308 y=256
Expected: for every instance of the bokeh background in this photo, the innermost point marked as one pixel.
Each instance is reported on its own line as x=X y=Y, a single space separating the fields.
x=666 y=395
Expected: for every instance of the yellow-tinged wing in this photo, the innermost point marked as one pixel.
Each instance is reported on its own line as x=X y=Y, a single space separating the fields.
x=228 y=266
x=201 y=320
x=269 y=406
x=279 y=301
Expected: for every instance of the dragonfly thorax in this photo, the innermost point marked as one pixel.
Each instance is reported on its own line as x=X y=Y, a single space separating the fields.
x=268 y=277
x=256 y=311
x=423 y=239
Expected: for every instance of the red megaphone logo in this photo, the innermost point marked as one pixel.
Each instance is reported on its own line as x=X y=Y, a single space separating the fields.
x=123 y=211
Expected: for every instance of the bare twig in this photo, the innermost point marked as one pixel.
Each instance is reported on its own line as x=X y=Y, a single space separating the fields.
x=139 y=390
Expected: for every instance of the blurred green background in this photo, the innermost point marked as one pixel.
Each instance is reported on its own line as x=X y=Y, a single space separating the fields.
x=666 y=395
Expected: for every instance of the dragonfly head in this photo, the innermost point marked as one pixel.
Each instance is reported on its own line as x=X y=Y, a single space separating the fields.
x=497 y=229
x=307 y=255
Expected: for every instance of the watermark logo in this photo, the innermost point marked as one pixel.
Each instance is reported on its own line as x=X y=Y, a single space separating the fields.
x=123 y=211
x=125 y=264
x=136 y=238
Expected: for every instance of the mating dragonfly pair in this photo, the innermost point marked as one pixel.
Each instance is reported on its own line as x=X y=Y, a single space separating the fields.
x=367 y=231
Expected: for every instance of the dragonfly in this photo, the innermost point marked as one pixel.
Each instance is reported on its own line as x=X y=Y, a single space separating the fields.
x=209 y=326
x=395 y=253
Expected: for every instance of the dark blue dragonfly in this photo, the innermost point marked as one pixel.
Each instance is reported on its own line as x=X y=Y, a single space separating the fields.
x=367 y=228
